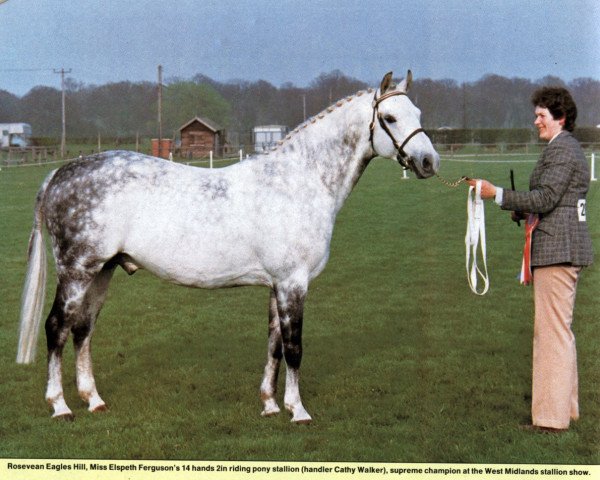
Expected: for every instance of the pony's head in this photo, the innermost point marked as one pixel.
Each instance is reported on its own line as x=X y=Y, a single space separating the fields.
x=396 y=130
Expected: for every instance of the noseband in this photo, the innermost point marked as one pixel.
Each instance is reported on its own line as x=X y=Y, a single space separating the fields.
x=402 y=157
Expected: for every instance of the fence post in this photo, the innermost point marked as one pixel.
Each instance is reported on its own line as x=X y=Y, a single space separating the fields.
x=210 y=159
x=241 y=153
x=593 y=169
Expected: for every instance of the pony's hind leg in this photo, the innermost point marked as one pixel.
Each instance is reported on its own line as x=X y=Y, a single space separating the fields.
x=82 y=338
x=268 y=387
x=290 y=305
x=67 y=303
x=56 y=336
x=76 y=305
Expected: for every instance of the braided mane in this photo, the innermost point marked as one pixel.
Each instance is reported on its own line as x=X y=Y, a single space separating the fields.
x=319 y=116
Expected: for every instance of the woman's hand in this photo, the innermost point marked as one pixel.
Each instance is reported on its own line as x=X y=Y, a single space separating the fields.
x=488 y=190
x=518 y=216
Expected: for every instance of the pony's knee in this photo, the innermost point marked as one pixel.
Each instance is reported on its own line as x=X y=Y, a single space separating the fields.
x=290 y=303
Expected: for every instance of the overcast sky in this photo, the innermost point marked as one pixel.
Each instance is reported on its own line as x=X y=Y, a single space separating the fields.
x=295 y=40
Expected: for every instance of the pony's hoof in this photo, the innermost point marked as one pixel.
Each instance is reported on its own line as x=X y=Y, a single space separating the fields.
x=65 y=417
x=299 y=413
x=99 y=408
x=300 y=416
x=302 y=421
x=269 y=413
x=271 y=408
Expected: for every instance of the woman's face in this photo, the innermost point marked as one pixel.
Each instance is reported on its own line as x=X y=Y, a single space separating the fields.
x=547 y=126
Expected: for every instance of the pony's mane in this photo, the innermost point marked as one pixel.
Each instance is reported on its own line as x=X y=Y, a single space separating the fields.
x=319 y=116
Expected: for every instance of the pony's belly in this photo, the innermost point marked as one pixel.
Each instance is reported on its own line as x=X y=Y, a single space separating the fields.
x=207 y=269
x=219 y=279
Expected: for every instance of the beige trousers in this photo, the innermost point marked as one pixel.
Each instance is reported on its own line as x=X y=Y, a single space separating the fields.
x=555 y=384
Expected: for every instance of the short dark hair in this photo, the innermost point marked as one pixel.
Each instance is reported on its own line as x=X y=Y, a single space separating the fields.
x=559 y=103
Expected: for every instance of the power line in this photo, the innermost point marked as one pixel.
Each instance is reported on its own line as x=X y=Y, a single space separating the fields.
x=25 y=69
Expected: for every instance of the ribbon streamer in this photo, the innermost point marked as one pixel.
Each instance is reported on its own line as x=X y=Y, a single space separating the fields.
x=526 y=277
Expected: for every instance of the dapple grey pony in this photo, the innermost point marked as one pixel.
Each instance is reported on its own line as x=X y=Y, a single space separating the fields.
x=264 y=221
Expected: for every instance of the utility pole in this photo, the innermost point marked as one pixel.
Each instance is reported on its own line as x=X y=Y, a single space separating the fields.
x=304 y=106
x=464 y=106
x=160 y=110
x=63 y=140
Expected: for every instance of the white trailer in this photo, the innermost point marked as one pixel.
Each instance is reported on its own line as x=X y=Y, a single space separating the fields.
x=266 y=136
x=15 y=135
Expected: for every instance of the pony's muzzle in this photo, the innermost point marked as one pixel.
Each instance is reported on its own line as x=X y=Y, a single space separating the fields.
x=424 y=167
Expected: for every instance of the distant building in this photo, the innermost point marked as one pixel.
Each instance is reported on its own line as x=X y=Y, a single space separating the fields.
x=266 y=137
x=15 y=135
x=200 y=136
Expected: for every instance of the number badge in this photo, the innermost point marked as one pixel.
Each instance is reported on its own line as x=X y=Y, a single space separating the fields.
x=581 y=209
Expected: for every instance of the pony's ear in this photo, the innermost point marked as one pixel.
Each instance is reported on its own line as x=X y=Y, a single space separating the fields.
x=386 y=83
x=407 y=82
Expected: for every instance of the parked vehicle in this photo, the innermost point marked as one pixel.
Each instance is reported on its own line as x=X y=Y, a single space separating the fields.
x=15 y=135
x=267 y=136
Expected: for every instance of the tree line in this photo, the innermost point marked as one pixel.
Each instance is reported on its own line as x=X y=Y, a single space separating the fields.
x=127 y=109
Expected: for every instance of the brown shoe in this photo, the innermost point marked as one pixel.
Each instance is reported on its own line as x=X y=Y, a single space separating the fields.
x=539 y=429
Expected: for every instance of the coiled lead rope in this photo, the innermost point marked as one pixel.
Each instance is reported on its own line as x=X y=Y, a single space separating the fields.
x=476 y=236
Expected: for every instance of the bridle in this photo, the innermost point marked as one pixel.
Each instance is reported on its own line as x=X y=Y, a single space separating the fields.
x=402 y=157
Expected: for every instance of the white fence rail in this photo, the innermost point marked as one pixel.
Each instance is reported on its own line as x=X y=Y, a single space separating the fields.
x=467 y=153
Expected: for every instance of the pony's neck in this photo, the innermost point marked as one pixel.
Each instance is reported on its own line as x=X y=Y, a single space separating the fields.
x=334 y=145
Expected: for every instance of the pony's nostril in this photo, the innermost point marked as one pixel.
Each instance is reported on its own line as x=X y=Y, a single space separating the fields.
x=427 y=164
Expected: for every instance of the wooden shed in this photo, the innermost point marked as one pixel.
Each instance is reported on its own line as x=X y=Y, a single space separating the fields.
x=200 y=136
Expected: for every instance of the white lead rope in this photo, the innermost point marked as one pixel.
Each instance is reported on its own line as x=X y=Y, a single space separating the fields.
x=476 y=236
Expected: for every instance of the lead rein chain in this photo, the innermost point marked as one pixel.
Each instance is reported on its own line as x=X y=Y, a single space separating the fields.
x=450 y=184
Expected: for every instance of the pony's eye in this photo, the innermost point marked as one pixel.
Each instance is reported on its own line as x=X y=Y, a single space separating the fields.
x=390 y=119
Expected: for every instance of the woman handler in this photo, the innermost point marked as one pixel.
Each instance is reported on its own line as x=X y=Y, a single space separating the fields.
x=560 y=247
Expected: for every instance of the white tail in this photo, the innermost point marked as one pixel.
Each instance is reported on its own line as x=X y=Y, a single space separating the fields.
x=32 y=302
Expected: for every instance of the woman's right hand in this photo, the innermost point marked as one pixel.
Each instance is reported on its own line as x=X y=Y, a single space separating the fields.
x=517 y=216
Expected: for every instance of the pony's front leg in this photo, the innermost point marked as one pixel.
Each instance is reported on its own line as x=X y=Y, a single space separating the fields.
x=290 y=306
x=268 y=387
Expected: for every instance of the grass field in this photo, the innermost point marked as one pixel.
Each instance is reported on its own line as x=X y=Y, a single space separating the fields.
x=402 y=362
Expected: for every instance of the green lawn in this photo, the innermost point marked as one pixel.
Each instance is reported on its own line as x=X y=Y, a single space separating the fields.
x=402 y=362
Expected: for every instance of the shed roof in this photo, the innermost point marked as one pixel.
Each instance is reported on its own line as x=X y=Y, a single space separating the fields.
x=207 y=123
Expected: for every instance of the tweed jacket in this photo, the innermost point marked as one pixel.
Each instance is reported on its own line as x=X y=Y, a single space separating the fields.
x=557 y=191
